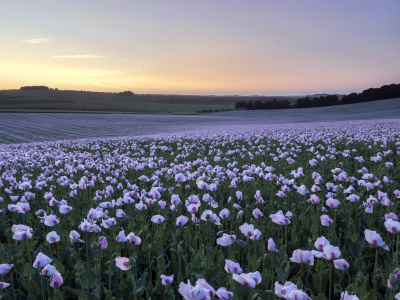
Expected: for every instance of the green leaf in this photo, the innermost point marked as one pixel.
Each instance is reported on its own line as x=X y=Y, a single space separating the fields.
x=30 y=285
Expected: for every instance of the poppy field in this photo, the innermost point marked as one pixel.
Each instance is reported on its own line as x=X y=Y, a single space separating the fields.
x=296 y=212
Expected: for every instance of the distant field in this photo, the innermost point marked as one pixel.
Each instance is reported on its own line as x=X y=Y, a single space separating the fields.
x=95 y=102
x=27 y=127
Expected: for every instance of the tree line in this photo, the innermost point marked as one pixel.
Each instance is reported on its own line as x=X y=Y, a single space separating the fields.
x=274 y=104
x=372 y=94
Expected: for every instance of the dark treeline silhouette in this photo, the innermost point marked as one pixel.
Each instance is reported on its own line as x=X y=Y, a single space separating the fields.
x=35 y=88
x=317 y=101
x=274 y=104
x=372 y=94
x=126 y=93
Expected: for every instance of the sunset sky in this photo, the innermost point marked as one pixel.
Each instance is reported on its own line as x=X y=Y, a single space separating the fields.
x=279 y=47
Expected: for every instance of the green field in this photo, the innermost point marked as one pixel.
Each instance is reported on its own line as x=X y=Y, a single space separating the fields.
x=97 y=102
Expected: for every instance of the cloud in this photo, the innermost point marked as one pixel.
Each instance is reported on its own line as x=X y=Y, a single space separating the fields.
x=36 y=41
x=79 y=56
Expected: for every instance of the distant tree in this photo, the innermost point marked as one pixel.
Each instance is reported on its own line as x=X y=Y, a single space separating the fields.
x=250 y=105
x=126 y=93
x=258 y=105
x=35 y=88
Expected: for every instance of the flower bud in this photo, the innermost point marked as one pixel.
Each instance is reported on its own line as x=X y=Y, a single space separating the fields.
x=150 y=247
x=132 y=261
x=239 y=218
x=359 y=282
x=94 y=246
x=78 y=281
x=392 y=279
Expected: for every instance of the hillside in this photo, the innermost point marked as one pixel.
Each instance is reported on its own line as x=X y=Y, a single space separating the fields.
x=97 y=102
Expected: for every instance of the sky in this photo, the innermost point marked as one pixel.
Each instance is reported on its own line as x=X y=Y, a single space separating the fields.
x=219 y=47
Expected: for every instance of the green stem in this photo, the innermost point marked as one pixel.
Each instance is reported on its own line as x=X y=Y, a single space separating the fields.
x=330 y=281
x=376 y=262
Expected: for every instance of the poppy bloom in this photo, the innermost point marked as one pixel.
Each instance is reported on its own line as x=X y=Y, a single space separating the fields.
x=122 y=263
x=226 y=239
x=321 y=243
x=103 y=243
x=3 y=285
x=247 y=229
x=41 y=260
x=271 y=245
x=375 y=239
x=392 y=226
x=279 y=218
x=52 y=237
x=49 y=270
x=223 y=294
x=302 y=256
x=331 y=252
x=232 y=267
x=5 y=268
x=181 y=220
x=56 y=280
x=166 y=280
x=249 y=280
x=325 y=220
x=133 y=239
x=257 y=213
x=341 y=264
x=282 y=291
x=157 y=219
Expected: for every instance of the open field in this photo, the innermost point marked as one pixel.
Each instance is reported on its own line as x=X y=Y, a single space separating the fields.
x=77 y=101
x=296 y=211
x=27 y=127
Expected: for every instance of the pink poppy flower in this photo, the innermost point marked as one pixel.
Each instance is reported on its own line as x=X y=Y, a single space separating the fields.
x=166 y=280
x=226 y=239
x=157 y=219
x=223 y=294
x=5 y=268
x=302 y=256
x=249 y=280
x=271 y=245
x=52 y=237
x=341 y=264
x=181 y=220
x=325 y=220
x=56 y=280
x=247 y=229
x=232 y=267
x=392 y=226
x=257 y=213
x=122 y=263
x=375 y=239
x=133 y=239
x=41 y=260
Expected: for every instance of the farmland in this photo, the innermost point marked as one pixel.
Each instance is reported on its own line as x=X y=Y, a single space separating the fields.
x=96 y=102
x=297 y=211
x=17 y=127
